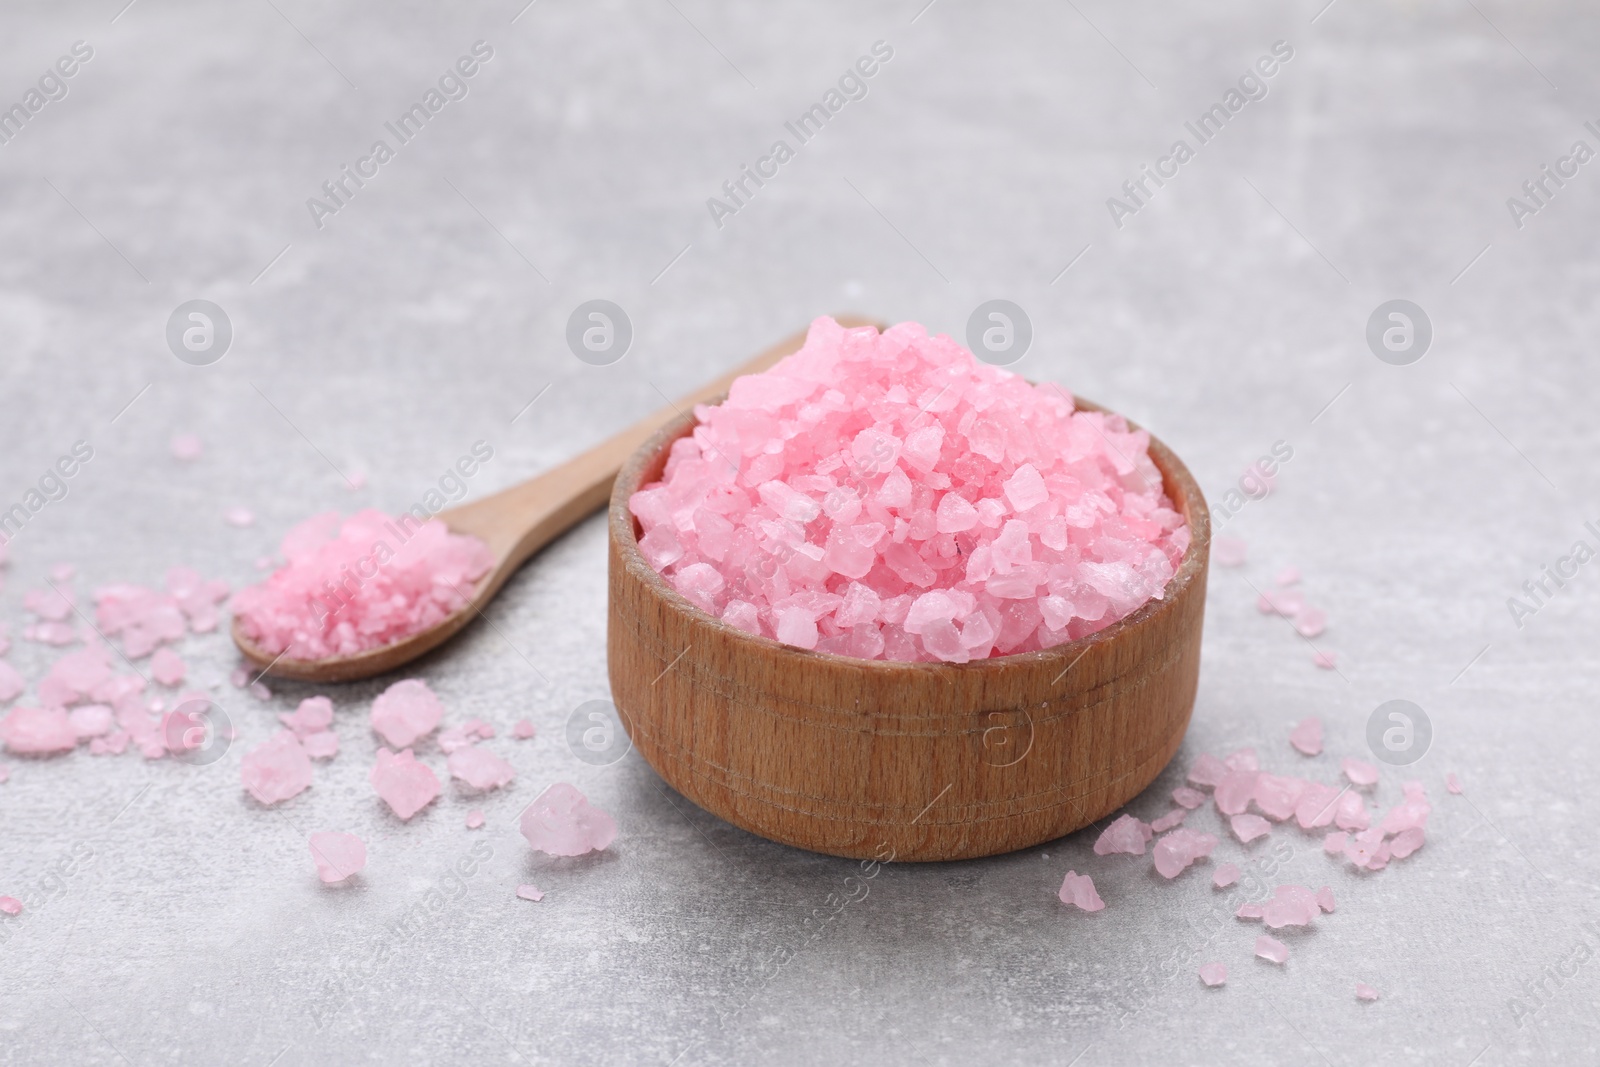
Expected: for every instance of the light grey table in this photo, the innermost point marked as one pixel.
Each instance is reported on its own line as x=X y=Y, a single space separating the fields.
x=176 y=921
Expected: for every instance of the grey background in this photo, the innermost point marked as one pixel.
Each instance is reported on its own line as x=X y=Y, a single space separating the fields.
x=1227 y=315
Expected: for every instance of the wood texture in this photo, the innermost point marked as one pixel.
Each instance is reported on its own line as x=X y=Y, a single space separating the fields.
x=871 y=759
x=517 y=522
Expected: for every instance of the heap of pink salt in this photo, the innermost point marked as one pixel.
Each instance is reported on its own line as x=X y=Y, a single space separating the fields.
x=337 y=855
x=277 y=769
x=562 y=822
x=1078 y=890
x=404 y=784
x=405 y=712
x=359 y=585
x=888 y=496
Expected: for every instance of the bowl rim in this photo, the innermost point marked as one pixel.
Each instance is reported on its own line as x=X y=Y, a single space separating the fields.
x=622 y=531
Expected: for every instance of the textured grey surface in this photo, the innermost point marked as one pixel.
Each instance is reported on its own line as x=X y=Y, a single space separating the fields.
x=1227 y=315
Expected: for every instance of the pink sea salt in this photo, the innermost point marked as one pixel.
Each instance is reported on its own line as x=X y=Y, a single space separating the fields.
x=37 y=731
x=337 y=855
x=1250 y=911
x=1352 y=812
x=1307 y=737
x=1233 y=793
x=1288 y=576
x=480 y=768
x=1278 y=796
x=474 y=820
x=405 y=712
x=1126 y=834
x=1452 y=783
x=167 y=668
x=11 y=683
x=1326 y=660
x=361 y=584
x=1291 y=905
x=1406 y=842
x=887 y=496
x=277 y=769
x=1271 y=949
x=1243 y=760
x=562 y=822
x=1208 y=770
x=530 y=892
x=404 y=784
x=1334 y=844
x=91 y=720
x=1358 y=771
x=1213 y=974
x=323 y=745
x=1078 y=890
x=1226 y=874
x=1310 y=621
x=523 y=730
x=1169 y=820
x=1325 y=900
x=1365 y=992
x=11 y=905
x=1188 y=798
x=313 y=716
x=1248 y=827
x=1180 y=848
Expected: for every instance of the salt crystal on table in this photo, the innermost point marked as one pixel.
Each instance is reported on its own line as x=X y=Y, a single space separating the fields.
x=37 y=731
x=1188 y=798
x=1317 y=806
x=11 y=905
x=1412 y=812
x=1452 y=783
x=1307 y=737
x=1326 y=660
x=1233 y=793
x=1078 y=890
x=1124 y=835
x=1207 y=770
x=90 y=720
x=1310 y=621
x=1406 y=842
x=1243 y=760
x=1325 y=899
x=11 y=683
x=530 y=892
x=1249 y=911
x=523 y=730
x=1359 y=772
x=48 y=604
x=167 y=668
x=313 y=716
x=152 y=750
x=186 y=446
x=405 y=712
x=5 y=774
x=1285 y=602
x=452 y=738
x=474 y=820
x=480 y=768
x=1213 y=974
x=404 y=784
x=1169 y=820
x=1278 y=796
x=562 y=822
x=1270 y=948
x=323 y=745
x=480 y=728
x=1249 y=827
x=1291 y=905
x=240 y=517
x=1365 y=992
x=337 y=855
x=1178 y=849
x=1352 y=812
x=239 y=677
x=277 y=769
x=260 y=691
x=1334 y=844
x=1226 y=875
x=1288 y=576
x=1230 y=551
x=51 y=633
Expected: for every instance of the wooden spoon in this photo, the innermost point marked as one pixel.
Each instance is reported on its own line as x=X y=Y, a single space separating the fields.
x=515 y=523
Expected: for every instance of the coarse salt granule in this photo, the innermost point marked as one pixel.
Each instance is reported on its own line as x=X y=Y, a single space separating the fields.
x=888 y=496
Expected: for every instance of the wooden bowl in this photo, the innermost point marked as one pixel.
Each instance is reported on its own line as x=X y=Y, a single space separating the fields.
x=903 y=761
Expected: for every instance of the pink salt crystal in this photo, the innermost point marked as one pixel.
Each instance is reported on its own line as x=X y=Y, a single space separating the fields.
x=239 y=677
x=5 y=774
x=404 y=784
x=1406 y=842
x=240 y=517
x=1233 y=793
x=1288 y=576
x=1352 y=812
x=1078 y=890
x=48 y=604
x=1169 y=820
x=479 y=728
x=1249 y=827
x=1249 y=911
x=1188 y=798
x=480 y=768
x=419 y=575
x=1226 y=875
x=1365 y=992
x=1243 y=760
x=337 y=855
x=11 y=683
x=1124 y=835
x=1213 y=974
x=1285 y=602
x=1271 y=949
x=1411 y=812
x=1365 y=847
x=1334 y=844
x=562 y=822
x=323 y=745
x=167 y=668
x=90 y=720
x=1310 y=621
x=1359 y=772
x=1278 y=796
x=1207 y=770
x=1178 y=849
x=1326 y=660
x=1325 y=900
x=1230 y=551
x=1317 y=806
x=186 y=446
x=51 y=633
x=523 y=730
x=152 y=750
x=474 y=820
x=313 y=716
x=530 y=892
x=277 y=769
x=37 y=731
x=1307 y=737
x=405 y=712
x=1291 y=905
x=1452 y=783
x=11 y=905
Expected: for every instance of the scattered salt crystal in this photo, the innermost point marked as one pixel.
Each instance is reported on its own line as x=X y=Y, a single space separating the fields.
x=1334 y=844
x=1359 y=772
x=313 y=716
x=152 y=750
x=1317 y=806
x=523 y=729
x=1307 y=737
x=1207 y=770
x=1249 y=911
x=1452 y=783
x=1285 y=602
x=11 y=905
x=1230 y=551
x=167 y=668
x=51 y=633
x=240 y=517
x=62 y=572
x=260 y=691
x=337 y=855
x=1278 y=796
x=1226 y=875
x=1243 y=760
x=1270 y=948
x=90 y=720
x=1326 y=660
x=1233 y=793
x=1352 y=812
x=5 y=774
x=1365 y=992
x=186 y=446
x=1178 y=849
x=48 y=604
x=1288 y=576
x=1188 y=798
x=1310 y=621
x=276 y=769
x=562 y=822
x=1325 y=899
x=1411 y=812
x=11 y=683
x=1078 y=890
x=1291 y=905
x=474 y=820
x=1124 y=835
x=404 y=784
x=37 y=731
x=405 y=712
x=323 y=745
x=1213 y=974
x=480 y=768
x=322 y=603
x=1169 y=820
x=1249 y=827
x=1406 y=842
x=239 y=677
x=530 y=892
